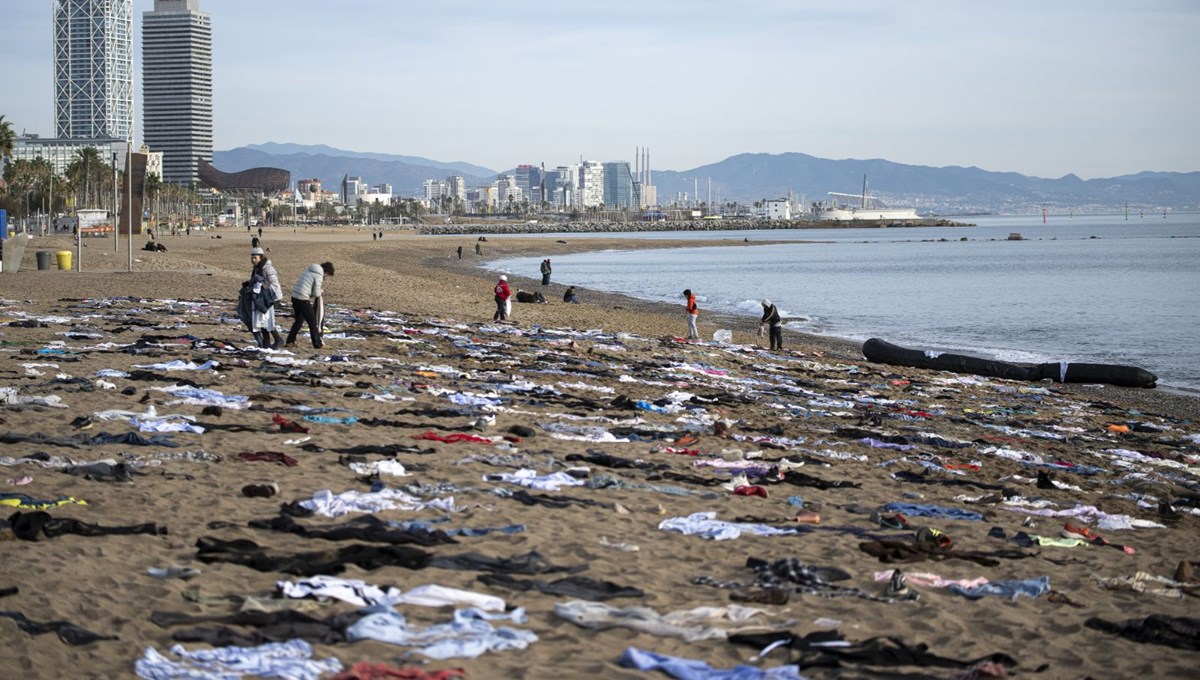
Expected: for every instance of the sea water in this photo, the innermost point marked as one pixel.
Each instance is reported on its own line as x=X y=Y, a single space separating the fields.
x=1080 y=289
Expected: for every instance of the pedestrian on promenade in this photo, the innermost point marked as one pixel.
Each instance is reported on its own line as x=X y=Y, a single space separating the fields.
x=774 y=321
x=503 y=293
x=308 y=304
x=693 y=313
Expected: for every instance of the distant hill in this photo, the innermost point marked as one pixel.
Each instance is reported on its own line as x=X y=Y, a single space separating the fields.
x=753 y=177
x=458 y=168
x=406 y=174
x=750 y=177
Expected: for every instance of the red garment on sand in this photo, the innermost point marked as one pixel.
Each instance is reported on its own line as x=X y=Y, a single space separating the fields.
x=453 y=438
x=686 y=452
x=286 y=425
x=268 y=456
x=364 y=670
x=750 y=491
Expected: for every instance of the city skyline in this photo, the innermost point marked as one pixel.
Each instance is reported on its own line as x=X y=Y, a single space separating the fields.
x=1098 y=89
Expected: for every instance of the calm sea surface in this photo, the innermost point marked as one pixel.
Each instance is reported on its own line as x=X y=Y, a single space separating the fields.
x=1084 y=289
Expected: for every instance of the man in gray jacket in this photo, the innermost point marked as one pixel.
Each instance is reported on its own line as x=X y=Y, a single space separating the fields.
x=307 y=304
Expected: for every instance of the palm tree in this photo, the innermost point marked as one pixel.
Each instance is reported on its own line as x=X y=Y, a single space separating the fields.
x=7 y=139
x=88 y=173
x=150 y=190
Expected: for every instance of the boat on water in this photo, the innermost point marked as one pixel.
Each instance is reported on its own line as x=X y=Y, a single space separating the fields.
x=847 y=207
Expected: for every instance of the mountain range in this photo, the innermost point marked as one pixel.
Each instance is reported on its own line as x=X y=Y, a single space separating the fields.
x=752 y=177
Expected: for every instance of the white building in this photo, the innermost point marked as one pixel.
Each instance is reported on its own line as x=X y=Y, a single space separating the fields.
x=154 y=161
x=62 y=152
x=177 y=87
x=777 y=209
x=433 y=189
x=507 y=191
x=592 y=184
x=93 y=69
x=456 y=187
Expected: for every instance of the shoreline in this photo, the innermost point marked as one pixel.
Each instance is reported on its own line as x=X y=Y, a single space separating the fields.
x=584 y=227
x=414 y=266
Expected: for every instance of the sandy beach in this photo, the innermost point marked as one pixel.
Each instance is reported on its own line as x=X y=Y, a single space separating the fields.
x=563 y=463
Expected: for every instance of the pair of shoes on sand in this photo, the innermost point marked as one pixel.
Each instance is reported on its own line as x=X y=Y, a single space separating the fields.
x=897 y=587
x=260 y=490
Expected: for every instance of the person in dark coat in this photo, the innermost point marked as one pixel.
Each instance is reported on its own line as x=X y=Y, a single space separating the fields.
x=774 y=321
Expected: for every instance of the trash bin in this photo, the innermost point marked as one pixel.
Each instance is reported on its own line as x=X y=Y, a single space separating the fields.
x=43 y=260
x=64 y=260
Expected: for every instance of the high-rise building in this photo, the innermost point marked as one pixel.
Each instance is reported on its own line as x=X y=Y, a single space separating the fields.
x=456 y=187
x=618 y=186
x=177 y=87
x=93 y=69
x=591 y=184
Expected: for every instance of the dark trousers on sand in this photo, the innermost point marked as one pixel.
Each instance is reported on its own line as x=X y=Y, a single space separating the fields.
x=305 y=313
x=776 y=337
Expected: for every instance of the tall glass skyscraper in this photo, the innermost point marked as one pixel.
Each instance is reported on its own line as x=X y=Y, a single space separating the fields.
x=93 y=69
x=177 y=86
x=618 y=186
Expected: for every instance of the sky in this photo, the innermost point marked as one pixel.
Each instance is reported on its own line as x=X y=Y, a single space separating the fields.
x=1098 y=88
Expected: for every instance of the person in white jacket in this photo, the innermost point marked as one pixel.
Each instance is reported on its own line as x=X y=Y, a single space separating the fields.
x=307 y=304
x=263 y=323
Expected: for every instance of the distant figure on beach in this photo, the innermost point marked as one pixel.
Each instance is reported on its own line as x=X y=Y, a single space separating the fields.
x=546 y=272
x=502 y=292
x=263 y=280
x=187 y=231
x=771 y=319
x=374 y=236
x=569 y=296
x=260 y=232
x=460 y=252
x=478 y=250
x=693 y=313
x=307 y=303
x=255 y=243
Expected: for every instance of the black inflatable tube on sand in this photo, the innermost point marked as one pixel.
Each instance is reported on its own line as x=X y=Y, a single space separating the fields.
x=881 y=351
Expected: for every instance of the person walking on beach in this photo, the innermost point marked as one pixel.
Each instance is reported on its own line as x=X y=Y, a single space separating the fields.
x=569 y=297
x=263 y=320
x=693 y=313
x=546 y=272
x=502 y=292
x=478 y=250
x=460 y=252
x=771 y=318
x=307 y=304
